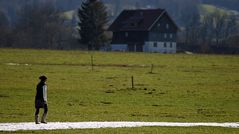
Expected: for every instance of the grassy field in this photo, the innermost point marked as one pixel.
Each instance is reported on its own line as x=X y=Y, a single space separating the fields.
x=182 y=88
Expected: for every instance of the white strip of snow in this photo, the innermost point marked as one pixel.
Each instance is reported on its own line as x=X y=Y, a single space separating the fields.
x=16 y=64
x=12 y=64
x=91 y=125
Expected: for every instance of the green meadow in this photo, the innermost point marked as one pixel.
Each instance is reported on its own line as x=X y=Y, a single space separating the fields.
x=177 y=88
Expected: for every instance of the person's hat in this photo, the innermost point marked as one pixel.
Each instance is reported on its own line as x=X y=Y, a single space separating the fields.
x=42 y=77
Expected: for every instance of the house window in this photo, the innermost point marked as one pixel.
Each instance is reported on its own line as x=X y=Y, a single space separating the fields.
x=165 y=35
x=158 y=25
x=133 y=24
x=126 y=34
x=171 y=36
x=155 y=44
x=165 y=44
x=167 y=26
x=171 y=45
x=141 y=13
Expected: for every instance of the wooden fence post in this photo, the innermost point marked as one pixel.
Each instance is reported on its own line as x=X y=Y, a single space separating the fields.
x=152 y=67
x=132 y=80
x=92 y=62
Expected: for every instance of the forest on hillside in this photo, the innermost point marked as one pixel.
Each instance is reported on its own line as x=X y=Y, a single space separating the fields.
x=203 y=23
x=175 y=7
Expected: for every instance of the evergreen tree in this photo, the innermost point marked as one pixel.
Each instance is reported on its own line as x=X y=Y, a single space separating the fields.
x=93 y=19
x=3 y=19
x=5 y=30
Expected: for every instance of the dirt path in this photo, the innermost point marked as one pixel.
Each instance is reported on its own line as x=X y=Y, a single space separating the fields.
x=91 y=125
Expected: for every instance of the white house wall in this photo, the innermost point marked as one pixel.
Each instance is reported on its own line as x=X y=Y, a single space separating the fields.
x=119 y=47
x=160 y=47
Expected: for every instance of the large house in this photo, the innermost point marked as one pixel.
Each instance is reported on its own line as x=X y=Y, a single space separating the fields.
x=144 y=30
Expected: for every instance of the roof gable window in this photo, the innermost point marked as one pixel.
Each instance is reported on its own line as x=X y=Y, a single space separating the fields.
x=126 y=34
x=158 y=25
x=167 y=26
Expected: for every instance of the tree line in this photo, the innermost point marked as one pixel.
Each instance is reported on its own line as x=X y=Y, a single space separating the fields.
x=230 y=4
x=42 y=25
x=38 y=26
x=217 y=29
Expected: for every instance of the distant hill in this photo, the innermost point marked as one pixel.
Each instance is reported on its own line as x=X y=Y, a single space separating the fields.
x=207 y=9
x=228 y=4
x=176 y=8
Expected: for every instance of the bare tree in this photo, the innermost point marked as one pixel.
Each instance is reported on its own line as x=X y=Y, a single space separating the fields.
x=40 y=26
x=206 y=34
x=219 y=22
x=230 y=28
x=192 y=29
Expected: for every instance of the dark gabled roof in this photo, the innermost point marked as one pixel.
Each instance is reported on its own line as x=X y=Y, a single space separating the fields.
x=137 y=20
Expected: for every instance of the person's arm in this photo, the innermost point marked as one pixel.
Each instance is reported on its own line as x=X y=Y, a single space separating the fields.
x=45 y=93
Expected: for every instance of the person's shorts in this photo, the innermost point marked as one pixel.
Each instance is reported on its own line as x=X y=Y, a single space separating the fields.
x=40 y=104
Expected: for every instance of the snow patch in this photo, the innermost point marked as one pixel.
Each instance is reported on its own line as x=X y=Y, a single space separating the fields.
x=16 y=64
x=12 y=64
x=92 y=125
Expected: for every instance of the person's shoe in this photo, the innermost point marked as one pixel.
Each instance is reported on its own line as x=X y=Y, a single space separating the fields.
x=36 y=119
x=43 y=120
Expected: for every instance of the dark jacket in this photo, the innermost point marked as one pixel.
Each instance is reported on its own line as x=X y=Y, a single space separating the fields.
x=39 y=94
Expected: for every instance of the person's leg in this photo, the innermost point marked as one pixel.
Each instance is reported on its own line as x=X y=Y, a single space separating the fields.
x=44 y=114
x=36 y=116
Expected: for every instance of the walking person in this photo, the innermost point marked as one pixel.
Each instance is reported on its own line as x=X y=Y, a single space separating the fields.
x=41 y=99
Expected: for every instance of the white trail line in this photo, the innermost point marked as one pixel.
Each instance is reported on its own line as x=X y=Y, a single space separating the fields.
x=91 y=125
